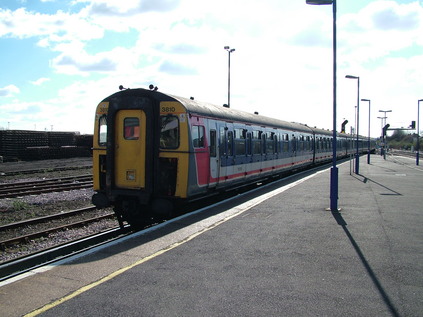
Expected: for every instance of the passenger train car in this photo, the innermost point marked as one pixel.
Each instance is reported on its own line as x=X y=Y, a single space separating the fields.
x=152 y=150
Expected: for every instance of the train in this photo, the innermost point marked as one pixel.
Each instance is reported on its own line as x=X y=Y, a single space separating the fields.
x=153 y=151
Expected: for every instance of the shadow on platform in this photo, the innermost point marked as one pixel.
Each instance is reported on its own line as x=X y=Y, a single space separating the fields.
x=366 y=179
x=341 y=221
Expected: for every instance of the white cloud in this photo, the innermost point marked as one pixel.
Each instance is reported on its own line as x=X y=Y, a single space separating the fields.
x=9 y=91
x=130 y=8
x=370 y=34
x=282 y=65
x=40 y=81
x=83 y=64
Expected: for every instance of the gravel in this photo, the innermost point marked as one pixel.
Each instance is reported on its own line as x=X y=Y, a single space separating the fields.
x=26 y=207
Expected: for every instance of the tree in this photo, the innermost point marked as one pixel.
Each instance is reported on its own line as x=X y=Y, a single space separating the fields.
x=400 y=140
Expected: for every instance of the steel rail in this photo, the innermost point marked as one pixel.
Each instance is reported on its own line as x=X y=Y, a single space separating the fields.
x=60 y=188
x=32 y=221
x=27 y=263
x=48 y=186
x=27 y=237
x=41 y=182
x=44 y=170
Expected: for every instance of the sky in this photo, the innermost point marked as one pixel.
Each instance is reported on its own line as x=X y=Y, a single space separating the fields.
x=60 y=58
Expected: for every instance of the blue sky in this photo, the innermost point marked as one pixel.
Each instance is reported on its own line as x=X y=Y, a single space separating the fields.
x=59 y=59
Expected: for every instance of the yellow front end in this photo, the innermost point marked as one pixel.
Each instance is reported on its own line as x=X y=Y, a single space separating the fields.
x=99 y=145
x=180 y=153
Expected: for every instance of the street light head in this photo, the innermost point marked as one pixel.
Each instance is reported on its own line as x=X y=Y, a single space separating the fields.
x=365 y=99
x=226 y=47
x=420 y=100
x=351 y=77
x=319 y=2
x=232 y=50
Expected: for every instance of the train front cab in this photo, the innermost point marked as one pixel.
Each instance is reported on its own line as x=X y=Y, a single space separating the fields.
x=139 y=155
x=121 y=153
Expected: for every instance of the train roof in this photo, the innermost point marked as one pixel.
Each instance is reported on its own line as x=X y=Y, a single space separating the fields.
x=234 y=115
x=220 y=112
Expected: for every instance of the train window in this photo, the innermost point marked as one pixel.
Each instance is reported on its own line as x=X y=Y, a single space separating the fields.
x=285 y=139
x=240 y=146
x=276 y=144
x=169 y=132
x=198 y=136
x=269 y=135
x=230 y=143
x=270 y=145
x=257 y=142
x=256 y=146
x=240 y=142
x=294 y=143
x=222 y=141
x=102 y=130
x=301 y=143
x=240 y=133
x=213 y=143
x=249 y=143
x=131 y=128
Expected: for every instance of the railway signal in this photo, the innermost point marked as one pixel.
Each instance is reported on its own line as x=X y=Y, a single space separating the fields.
x=343 y=126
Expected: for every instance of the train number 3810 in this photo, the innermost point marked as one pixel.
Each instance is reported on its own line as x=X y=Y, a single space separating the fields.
x=167 y=109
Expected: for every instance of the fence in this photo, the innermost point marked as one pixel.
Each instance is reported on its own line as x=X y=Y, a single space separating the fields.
x=41 y=145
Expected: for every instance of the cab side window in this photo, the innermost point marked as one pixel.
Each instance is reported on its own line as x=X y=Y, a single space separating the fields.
x=102 y=130
x=197 y=133
x=169 y=132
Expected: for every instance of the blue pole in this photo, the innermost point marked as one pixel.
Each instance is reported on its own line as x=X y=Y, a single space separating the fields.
x=418 y=132
x=334 y=169
x=357 y=155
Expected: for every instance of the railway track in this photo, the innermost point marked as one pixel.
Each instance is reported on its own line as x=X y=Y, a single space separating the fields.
x=12 y=190
x=44 y=170
x=51 y=223
x=29 y=262
x=404 y=153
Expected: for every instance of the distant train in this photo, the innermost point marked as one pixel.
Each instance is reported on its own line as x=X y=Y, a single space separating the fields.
x=152 y=150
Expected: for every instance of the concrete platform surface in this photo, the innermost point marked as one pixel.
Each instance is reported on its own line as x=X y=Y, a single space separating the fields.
x=277 y=252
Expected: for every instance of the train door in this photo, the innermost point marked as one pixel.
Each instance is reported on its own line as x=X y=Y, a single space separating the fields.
x=130 y=149
x=222 y=154
x=294 y=149
x=202 y=156
x=214 y=158
x=226 y=152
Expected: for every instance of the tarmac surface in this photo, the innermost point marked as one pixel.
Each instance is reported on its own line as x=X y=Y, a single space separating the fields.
x=277 y=252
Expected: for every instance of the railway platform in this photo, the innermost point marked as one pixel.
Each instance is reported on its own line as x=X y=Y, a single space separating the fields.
x=277 y=252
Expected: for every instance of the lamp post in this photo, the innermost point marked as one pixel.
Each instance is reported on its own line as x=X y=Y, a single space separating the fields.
x=334 y=169
x=368 y=139
x=230 y=50
x=381 y=132
x=383 y=135
x=357 y=154
x=418 y=131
